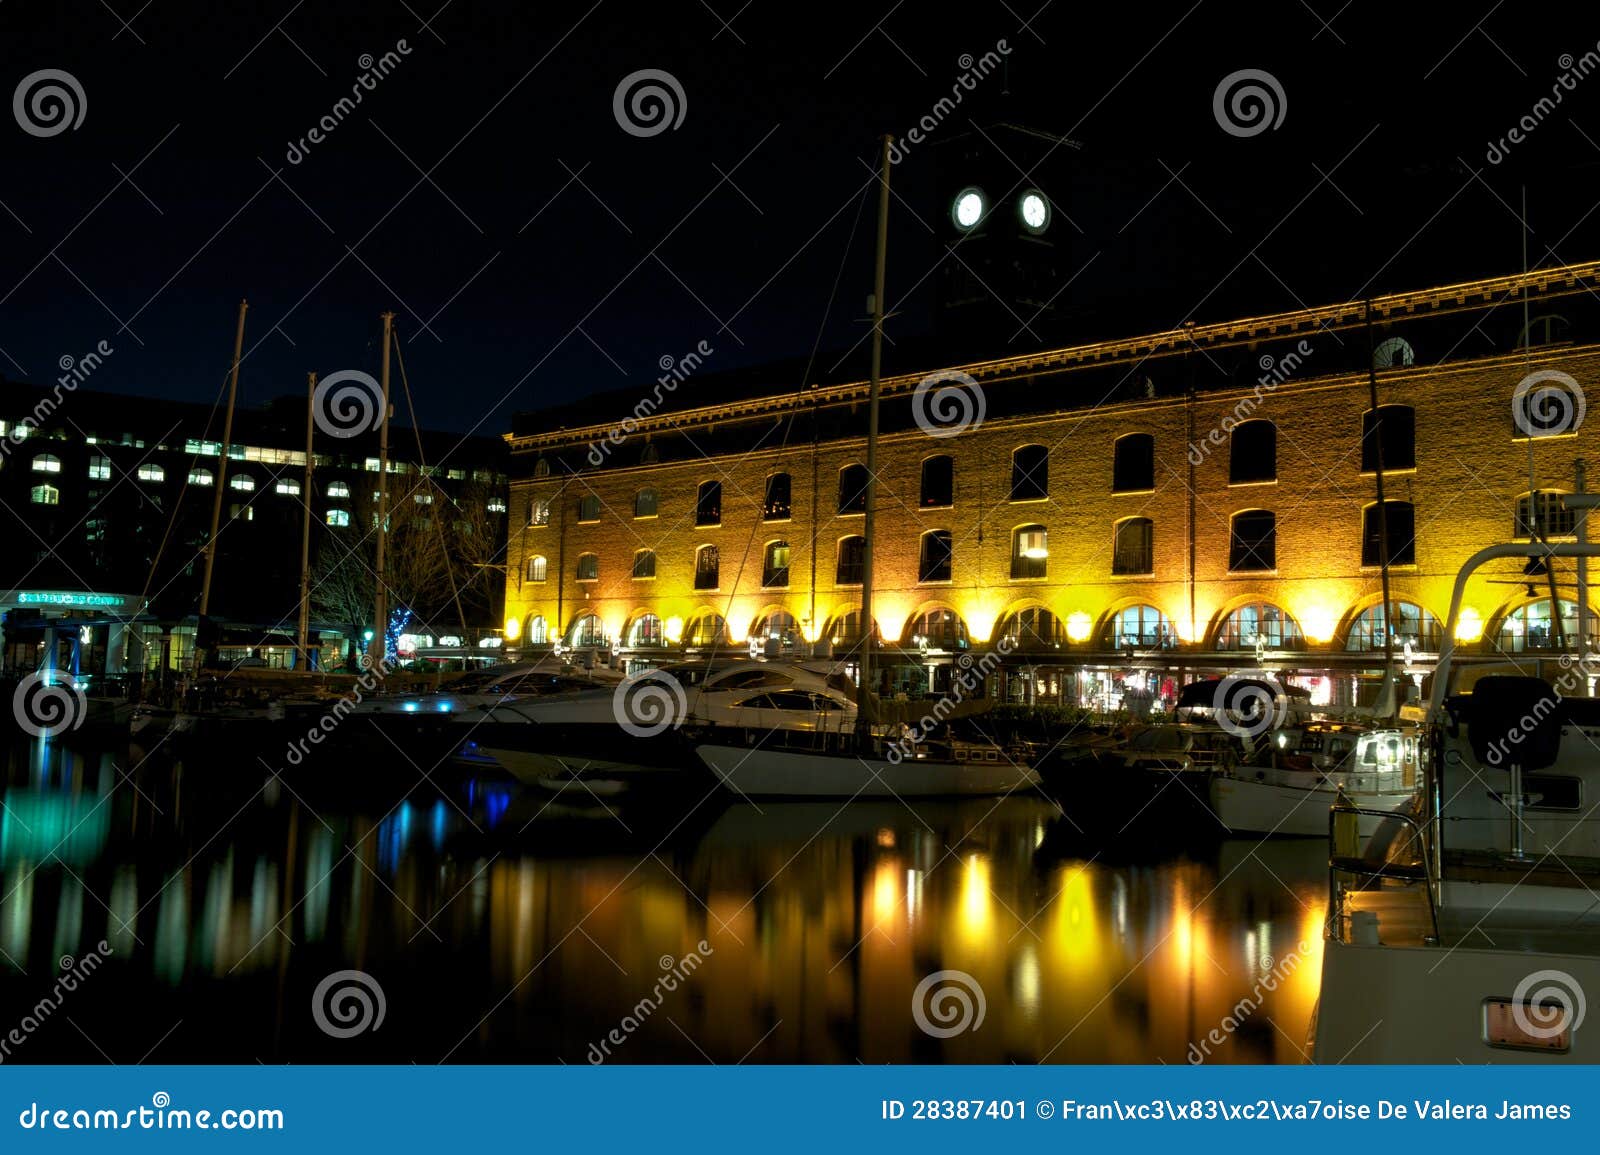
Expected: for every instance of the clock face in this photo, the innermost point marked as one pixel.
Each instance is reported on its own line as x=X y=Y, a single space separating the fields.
x=1035 y=211
x=967 y=209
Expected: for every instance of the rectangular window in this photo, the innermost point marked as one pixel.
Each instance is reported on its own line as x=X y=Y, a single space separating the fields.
x=777 y=506
x=934 y=563
x=1133 y=551
x=706 y=567
x=99 y=469
x=708 y=504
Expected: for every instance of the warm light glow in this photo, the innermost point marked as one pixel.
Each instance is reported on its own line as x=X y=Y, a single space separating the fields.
x=1469 y=626
x=976 y=899
x=1319 y=623
x=674 y=630
x=1079 y=626
x=513 y=628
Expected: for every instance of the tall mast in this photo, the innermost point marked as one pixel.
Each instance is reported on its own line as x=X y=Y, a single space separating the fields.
x=222 y=474
x=303 y=628
x=864 y=689
x=377 y=649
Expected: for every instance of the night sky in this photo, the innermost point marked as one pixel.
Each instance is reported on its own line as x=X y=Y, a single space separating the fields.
x=535 y=252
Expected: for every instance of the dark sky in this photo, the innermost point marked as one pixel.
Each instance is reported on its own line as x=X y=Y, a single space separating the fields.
x=535 y=252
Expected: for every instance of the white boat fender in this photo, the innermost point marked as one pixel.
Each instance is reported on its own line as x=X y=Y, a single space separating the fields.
x=1364 y=928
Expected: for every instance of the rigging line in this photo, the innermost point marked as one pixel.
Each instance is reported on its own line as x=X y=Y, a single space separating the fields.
x=799 y=396
x=422 y=464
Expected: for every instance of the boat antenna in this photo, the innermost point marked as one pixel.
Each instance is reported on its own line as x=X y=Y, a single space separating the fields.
x=302 y=633
x=864 y=687
x=222 y=482
x=378 y=648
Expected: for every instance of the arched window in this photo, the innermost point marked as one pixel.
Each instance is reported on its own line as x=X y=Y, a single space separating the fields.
x=845 y=629
x=541 y=468
x=339 y=518
x=45 y=495
x=99 y=468
x=1253 y=453
x=708 y=504
x=1031 y=629
x=1263 y=623
x=588 y=567
x=1030 y=552
x=47 y=463
x=775 y=564
x=1531 y=627
x=646 y=631
x=1412 y=624
x=1399 y=438
x=1133 y=464
x=851 y=568
x=644 y=564
x=1142 y=627
x=1133 y=548
x=707 y=567
x=151 y=472
x=243 y=482
x=938 y=481
x=289 y=487
x=706 y=630
x=589 y=507
x=644 y=503
x=941 y=629
x=538 y=632
x=934 y=558
x=1030 y=473
x=1253 y=543
x=537 y=569
x=202 y=477
x=777 y=506
x=778 y=624
x=539 y=512
x=336 y=489
x=1401 y=521
x=587 y=631
x=1544 y=513
x=853 y=489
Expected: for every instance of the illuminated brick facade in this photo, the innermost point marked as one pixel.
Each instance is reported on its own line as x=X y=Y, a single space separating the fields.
x=1456 y=475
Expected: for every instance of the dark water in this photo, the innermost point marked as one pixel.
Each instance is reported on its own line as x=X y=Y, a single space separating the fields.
x=502 y=927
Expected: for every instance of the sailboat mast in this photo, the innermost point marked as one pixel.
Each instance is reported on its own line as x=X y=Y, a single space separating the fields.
x=377 y=649
x=222 y=472
x=303 y=627
x=864 y=688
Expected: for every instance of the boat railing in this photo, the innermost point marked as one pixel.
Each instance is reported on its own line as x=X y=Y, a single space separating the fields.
x=1343 y=865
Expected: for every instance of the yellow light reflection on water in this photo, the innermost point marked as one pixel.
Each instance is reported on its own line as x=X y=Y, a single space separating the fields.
x=977 y=902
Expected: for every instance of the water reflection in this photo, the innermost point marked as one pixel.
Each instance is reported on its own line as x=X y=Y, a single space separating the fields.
x=504 y=926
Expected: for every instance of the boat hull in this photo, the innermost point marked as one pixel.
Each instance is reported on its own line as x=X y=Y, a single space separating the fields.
x=762 y=773
x=1250 y=807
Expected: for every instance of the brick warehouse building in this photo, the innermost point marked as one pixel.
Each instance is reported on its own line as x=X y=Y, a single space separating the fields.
x=1125 y=514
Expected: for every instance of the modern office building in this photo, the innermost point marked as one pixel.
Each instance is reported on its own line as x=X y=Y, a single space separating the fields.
x=109 y=501
x=1108 y=518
